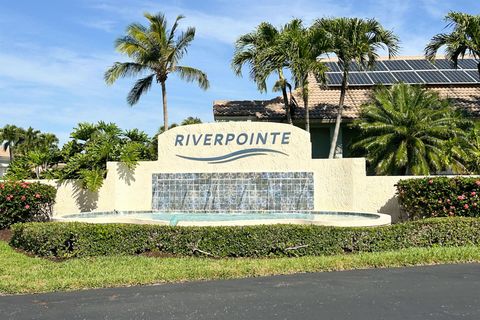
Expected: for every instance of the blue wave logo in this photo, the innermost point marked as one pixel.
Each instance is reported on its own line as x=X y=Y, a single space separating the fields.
x=235 y=155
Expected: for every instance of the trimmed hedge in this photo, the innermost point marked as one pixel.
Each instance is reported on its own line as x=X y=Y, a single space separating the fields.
x=74 y=239
x=24 y=201
x=440 y=197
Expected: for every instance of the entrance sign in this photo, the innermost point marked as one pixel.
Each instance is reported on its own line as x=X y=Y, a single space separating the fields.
x=228 y=142
x=231 y=138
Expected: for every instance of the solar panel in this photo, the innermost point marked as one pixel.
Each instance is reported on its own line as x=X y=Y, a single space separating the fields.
x=432 y=77
x=332 y=66
x=382 y=77
x=467 y=63
x=359 y=78
x=334 y=78
x=457 y=76
x=408 y=77
x=379 y=66
x=473 y=74
x=415 y=71
x=396 y=65
x=420 y=64
x=444 y=64
x=355 y=67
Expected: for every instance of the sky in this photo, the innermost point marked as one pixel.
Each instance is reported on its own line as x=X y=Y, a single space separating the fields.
x=53 y=54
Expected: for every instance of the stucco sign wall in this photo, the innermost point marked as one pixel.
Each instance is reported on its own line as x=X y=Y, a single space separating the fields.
x=233 y=142
x=236 y=165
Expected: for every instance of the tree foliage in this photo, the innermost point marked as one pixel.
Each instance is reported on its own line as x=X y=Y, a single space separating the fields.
x=92 y=145
x=409 y=130
x=32 y=152
x=85 y=156
x=253 y=50
x=354 y=40
x=155 y=52
x=463 y=40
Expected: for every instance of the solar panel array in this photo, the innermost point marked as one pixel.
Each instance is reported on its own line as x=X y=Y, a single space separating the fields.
x=418 y=71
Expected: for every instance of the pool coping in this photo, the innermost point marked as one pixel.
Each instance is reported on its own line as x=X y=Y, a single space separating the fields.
x=382 y=219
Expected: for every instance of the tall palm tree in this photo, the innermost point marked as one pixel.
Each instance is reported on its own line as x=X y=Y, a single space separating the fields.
x=464 y=38
x=409 y=130
x=301 y=47
x=354 y=40
x=10 y=136
x=28 y=140
x=155 y=50
x=250 y=49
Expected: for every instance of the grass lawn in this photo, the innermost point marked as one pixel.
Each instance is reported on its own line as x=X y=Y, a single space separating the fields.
x=23 y=274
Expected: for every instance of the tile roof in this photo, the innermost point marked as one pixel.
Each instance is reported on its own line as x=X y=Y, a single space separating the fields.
x=323 y=102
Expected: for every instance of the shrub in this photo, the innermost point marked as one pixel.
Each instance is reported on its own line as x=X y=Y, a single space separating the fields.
x=74 y=239
x=440 y=197
x=23 y=201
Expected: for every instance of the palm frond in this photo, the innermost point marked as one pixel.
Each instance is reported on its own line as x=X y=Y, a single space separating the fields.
x=190 y=74
x=182 y=43
x=140 y=87
x=123 y=69
x=174 y=28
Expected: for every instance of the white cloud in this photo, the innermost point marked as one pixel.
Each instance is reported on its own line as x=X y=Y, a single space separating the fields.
x=104 y=25
x=55 y=67
x=225 y=25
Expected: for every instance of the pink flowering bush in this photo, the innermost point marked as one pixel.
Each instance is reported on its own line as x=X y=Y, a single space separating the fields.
x=440 y=197
x=23 y=201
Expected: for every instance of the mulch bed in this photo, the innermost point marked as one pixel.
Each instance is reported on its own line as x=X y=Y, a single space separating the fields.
x=5 y=234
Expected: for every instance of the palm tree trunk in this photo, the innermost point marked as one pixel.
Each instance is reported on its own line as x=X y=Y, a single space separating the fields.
x=286 y=102
x=165 y=110
x=307 y=111
x=343 y=91
x=10 y=152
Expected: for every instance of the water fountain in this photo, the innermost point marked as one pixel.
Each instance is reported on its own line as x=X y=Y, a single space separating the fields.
x=230 y=174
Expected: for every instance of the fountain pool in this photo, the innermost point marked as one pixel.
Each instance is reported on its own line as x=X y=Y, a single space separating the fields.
x=345 y=219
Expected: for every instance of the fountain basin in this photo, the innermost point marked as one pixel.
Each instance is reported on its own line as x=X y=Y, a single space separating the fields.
x=326 y=218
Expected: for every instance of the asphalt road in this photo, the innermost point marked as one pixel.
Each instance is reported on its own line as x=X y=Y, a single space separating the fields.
x=437 y=292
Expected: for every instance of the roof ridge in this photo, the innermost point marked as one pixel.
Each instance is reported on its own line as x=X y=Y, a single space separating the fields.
x=406 y=57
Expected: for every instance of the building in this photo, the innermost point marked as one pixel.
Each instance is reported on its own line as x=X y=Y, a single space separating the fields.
x=4 y=161
x=461 y=84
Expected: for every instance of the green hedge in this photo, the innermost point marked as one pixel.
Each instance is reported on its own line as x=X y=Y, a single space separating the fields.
x=440 y=197
x=64 y=240
x=24 y=201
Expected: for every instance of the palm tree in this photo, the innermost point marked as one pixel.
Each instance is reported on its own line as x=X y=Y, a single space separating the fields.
x=136 y=135
x=301 y=47
x=190 y=120
x=408 y=129
x=10 y=136
x=464 y=39
x=156 y=50
x=96 y=144
x=354 y=40
x=28 y=140
x=251 y=49
x=46 y=141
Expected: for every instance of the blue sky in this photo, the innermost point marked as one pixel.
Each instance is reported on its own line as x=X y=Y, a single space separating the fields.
x=53 y=53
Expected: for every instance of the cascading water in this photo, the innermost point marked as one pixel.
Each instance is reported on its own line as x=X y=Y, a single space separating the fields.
x=233 y=192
